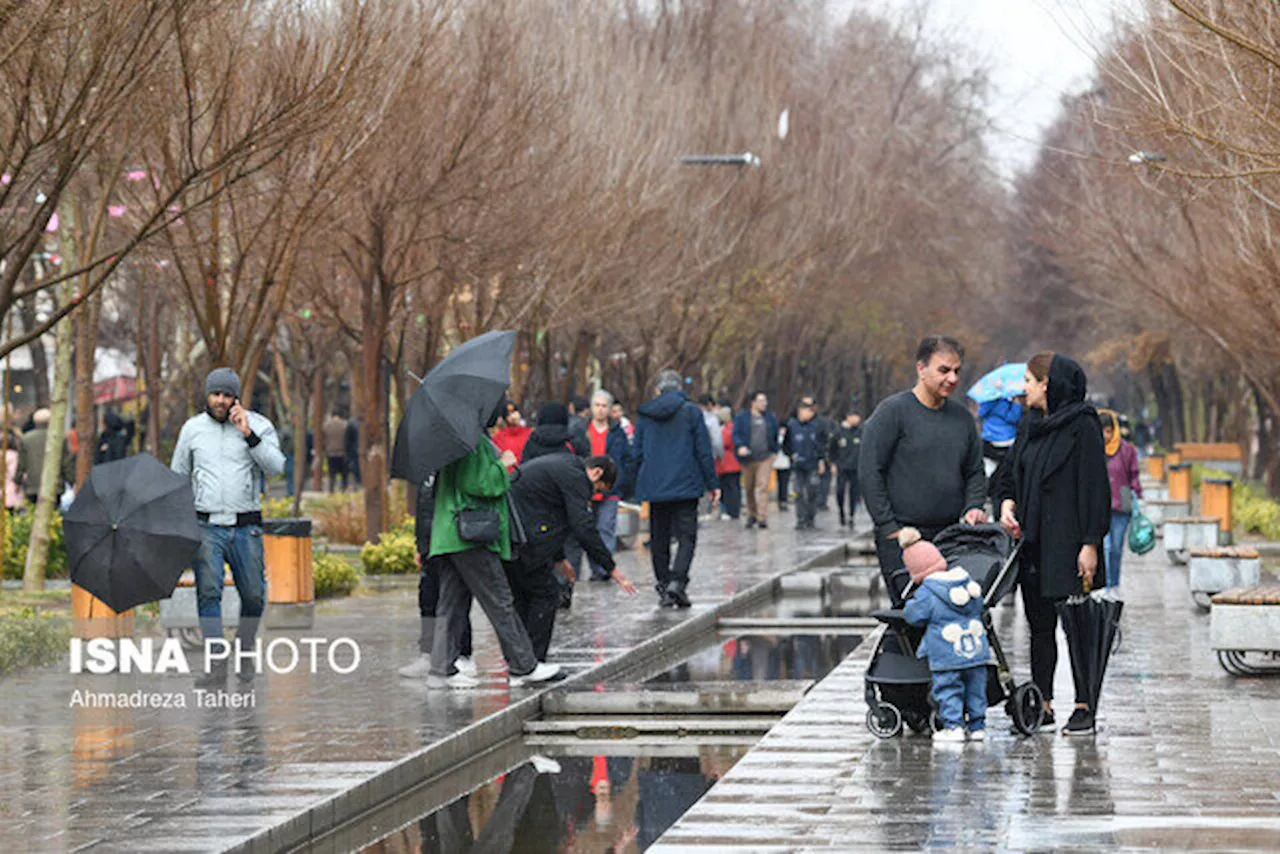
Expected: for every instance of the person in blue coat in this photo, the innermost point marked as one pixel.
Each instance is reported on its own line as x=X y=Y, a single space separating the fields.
x=949 y=604
x=674 y=468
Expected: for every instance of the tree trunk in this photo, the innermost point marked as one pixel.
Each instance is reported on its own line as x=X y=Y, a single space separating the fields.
x=51 y=475
x=39 y=358
x=317 y=419
x=86 y=345
x=373 y=327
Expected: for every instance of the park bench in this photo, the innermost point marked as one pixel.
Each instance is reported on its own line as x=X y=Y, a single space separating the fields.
x=1183 y=533
x=1224 y=456
x=1214 y=570
x=1244 y=630
x=1157 y=510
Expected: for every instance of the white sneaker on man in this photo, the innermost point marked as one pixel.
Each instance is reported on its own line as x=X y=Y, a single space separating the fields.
x=542 y=673
x=458 y=680
x=418 y=668
x=977 y=735
x=544 y=764
x=466 y=664
x=954 y=735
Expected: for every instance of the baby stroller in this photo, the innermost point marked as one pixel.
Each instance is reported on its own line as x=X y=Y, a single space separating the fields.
x=898 y=683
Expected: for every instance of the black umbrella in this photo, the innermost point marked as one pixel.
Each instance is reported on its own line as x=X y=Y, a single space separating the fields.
x=1091 y=622
x=447 y=414
x=131 y=531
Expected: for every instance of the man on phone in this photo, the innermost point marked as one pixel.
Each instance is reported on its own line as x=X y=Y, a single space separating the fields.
x=226 y=451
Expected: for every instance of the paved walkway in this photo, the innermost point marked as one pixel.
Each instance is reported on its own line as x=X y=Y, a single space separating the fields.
x=1186 y=757
x=202 y=779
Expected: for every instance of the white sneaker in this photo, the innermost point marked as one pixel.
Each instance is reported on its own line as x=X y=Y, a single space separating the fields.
x=466 y=665
x=418 y=668
x=542 y=673
x=955 y=735
x=978 y=735
x=458 y=680
x=544 y=765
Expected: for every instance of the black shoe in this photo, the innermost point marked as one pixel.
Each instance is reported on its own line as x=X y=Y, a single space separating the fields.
x=751 y=523
x=1080 y=723
x=665 y=600
x=763 y=524
x=678 y=597
x=842 y=521
x=595 y=577
x=1048 y=723
x=216 y=677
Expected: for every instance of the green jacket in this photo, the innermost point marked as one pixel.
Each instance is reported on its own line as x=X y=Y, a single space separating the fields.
x=477 y=480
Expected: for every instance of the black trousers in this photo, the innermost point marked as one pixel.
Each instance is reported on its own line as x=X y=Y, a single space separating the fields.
x=428 y=593
x=892 y=568
x=536 y=595
x=669 y=520
x=847 y=488
x=1042 y=618
x=806 y=482
x=731 y=494
x=784 y=487
x=337 y=468
x=824 y=489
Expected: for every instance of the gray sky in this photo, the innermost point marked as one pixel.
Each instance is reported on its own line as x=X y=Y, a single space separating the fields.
x=1036 y=50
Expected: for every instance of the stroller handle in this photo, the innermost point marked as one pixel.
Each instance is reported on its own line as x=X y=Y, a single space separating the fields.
x=1004 y=570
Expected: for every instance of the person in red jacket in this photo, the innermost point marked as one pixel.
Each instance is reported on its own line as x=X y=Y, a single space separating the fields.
x=512 y=432
x=729 y=470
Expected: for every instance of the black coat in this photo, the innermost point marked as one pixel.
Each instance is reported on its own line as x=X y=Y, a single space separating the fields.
x=423 y=515
x=1056 y=473
x=553 y=496
x=555 y=439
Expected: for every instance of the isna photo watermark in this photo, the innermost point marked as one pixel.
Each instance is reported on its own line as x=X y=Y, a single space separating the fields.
x=165 y=656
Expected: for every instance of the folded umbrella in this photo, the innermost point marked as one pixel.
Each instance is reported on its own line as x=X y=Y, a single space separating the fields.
x=1090 y=622
x=446 y=416
x=131 y=531
x=1003 y=383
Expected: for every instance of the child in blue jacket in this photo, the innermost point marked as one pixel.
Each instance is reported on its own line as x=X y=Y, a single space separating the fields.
x=949 y=603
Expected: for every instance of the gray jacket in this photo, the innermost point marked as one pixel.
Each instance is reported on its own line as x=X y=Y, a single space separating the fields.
x=223 y=467
x=714 y=433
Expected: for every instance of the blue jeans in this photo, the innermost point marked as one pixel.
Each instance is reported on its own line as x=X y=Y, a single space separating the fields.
x=1113 y=546
x=606 y=514
x=961 y=692
x=242 y=548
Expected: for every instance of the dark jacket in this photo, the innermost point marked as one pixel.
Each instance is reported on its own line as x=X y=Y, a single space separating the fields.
x=806 y=444
x=351 y=439
x=672 y=451
x=553 y=497
x=618 y=447
x=742 y=431
x=422 y=517
x=554 y=439
x=845 y=445
x=113 y=443
x=1057 y=475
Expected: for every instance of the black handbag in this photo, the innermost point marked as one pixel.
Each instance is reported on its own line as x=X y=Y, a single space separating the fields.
x=479 y=525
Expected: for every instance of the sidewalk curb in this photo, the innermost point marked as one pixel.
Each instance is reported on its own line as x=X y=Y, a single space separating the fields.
x=319 y=827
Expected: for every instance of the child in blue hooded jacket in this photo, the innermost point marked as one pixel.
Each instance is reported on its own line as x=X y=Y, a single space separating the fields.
x=949 y=604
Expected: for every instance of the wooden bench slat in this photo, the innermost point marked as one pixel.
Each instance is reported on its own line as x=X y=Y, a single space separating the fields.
x=1248 y=596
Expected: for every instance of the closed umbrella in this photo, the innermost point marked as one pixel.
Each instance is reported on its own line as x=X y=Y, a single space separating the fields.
x=131 y=531
x=446 y=416
x=1003 y=383
x=1091 y=622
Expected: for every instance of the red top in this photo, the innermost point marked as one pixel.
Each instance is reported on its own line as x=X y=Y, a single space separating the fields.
x=728 y=464
x=599 y=447
x=512 y=439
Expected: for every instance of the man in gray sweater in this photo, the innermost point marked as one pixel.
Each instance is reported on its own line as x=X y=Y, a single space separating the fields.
x=921 y=458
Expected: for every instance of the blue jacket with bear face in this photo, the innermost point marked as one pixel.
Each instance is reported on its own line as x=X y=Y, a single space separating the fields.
x=950 y=605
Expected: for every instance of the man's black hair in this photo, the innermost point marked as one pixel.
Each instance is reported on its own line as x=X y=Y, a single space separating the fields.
x=707 y=399
x=756 y=394
x=938 y=344
x=580 y=404
x=608 y=469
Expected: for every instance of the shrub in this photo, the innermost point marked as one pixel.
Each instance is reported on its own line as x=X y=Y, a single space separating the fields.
x=30 y=639
x=1253 y=510
x=391 y=555
x=18 y=533
x=277 y=508
x=333 y=575
x=340 y=517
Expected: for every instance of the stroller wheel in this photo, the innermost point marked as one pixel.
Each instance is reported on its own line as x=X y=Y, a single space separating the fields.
x=1026 y=707
x=884 y=720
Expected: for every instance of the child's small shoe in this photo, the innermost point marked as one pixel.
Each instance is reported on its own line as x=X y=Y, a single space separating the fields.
x=977 y=735
x=954 y=735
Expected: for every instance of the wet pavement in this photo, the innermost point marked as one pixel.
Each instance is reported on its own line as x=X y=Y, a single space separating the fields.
x=76 y=777
x=1186 y=757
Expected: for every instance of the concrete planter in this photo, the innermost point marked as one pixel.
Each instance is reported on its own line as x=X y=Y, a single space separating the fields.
x=1182 y=533
x=1214 y=570
x=1159 y=510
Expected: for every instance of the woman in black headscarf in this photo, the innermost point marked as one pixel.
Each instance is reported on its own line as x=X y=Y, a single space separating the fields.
x=1053 y=491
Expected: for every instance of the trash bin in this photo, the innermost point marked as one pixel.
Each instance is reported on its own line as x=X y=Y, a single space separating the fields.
x=286 y=546
x=91 y=618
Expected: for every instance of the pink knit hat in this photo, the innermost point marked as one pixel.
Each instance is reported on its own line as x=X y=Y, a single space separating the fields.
x=921 y=557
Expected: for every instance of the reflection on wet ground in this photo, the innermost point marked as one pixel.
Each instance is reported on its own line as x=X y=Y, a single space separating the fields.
x=759 y=658
x=576 y=803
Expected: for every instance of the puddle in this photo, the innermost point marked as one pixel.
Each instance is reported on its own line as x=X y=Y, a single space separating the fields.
x=760 y=658
x=847 y=591
x=598 y=802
